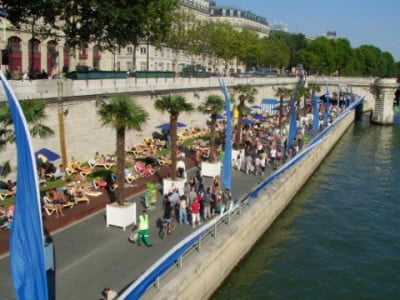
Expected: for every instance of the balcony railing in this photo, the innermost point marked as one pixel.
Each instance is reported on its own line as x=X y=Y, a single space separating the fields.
x=195 y=5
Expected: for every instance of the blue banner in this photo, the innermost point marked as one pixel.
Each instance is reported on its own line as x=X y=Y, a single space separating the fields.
x=227 y=162
x=338 y=97
x=292 y=124
x=327 y=111
x=26 y=239
x=351 y=95
x=315 y=110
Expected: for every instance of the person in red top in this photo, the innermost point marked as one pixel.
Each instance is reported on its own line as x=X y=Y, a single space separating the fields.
x=195 y=207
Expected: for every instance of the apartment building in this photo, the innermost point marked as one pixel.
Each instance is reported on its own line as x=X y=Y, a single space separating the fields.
x=20 y=52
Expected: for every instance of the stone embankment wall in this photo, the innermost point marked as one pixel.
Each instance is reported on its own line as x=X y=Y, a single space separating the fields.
x=204 y=271
x=84 y=133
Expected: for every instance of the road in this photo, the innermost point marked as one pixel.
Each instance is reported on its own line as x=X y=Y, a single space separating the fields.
x=89 y=256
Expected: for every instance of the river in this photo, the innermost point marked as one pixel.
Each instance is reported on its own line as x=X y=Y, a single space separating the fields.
x=340 y=236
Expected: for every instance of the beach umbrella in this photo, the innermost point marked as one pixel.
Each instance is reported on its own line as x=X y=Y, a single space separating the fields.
x=166 y=126
x=258 y=117
x=256 y=107
x=247 y=122
x=220 y=117
x=47 y=153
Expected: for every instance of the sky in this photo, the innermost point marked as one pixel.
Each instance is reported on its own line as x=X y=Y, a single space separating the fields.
x=371 y=22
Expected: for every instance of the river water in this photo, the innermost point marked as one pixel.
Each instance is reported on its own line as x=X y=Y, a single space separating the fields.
x=340 y=237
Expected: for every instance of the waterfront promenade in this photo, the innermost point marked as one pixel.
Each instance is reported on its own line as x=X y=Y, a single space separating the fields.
x=89 y=256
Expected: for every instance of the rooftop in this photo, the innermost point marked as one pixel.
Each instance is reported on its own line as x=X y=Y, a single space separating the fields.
x=230 y=11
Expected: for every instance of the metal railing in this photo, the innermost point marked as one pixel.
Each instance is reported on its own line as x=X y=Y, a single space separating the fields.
x=174 y=258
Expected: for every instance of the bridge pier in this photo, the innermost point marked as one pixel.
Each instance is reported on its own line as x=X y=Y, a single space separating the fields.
x=383 y=113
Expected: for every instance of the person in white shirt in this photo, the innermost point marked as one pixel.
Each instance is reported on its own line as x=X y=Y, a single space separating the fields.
x=181 y=167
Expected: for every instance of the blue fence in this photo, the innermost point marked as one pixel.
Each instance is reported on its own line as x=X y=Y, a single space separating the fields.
x=159 y=268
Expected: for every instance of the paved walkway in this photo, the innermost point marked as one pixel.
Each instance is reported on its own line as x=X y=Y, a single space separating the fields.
x=89 y=256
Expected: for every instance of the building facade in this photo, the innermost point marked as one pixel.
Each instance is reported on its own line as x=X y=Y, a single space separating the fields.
x=240 y=19
x=21 y=54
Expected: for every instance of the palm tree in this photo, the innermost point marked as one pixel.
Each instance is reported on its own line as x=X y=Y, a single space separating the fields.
x=213 y=105
x=122 y=113
x=282 y=93
x=246 y=93
x=302 y=92
x=174 y=105
x=35 y=114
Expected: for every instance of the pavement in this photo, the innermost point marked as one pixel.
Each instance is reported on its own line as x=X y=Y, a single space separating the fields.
x=90 y=256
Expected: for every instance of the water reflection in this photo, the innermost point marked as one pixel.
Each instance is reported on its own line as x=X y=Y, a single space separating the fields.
x=339 y=238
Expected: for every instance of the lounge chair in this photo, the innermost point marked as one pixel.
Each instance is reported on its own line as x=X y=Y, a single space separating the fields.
x=100 y=163
x=144 y=170
x=79 y=198
x=48 y=206
x=131 y=177
x=4 y=195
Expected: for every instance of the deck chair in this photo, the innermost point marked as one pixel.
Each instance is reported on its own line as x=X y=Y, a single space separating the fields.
x=48 y=206
x=95 y=163
x=149 y=170
x=4 y=195
x=82 y=198
x=131 y=177
x=140 y=168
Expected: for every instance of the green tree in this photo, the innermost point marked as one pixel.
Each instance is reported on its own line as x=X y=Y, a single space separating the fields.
x=324 y=52
x=248 y=48
x=122 y=114
x=178 y=37
x=282 y=93
x=174 y=105
x=342 y=52
x=212 y=106
x=35 y=114
x=222 y=41
x=246 y=93
x=276 y=53
x=390 y=65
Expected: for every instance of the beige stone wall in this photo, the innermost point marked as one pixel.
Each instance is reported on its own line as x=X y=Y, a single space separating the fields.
x=204 y=271
x=84 y=133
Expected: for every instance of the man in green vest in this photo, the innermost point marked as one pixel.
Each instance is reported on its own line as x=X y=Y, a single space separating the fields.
x=143 y=234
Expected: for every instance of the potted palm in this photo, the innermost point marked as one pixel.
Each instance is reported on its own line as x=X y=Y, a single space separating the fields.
x=213 y=105
x=174 y=105
x=122 y=113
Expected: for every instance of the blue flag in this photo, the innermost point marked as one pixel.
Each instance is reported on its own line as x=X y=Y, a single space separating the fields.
x=327 y=112
x=292 y=124
x=338 y=96
x=351 y=95
x=315 y=108
x=26 y=239
x=227 y=162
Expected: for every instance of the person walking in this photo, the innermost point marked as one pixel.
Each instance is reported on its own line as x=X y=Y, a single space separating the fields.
x=143 y=234
x=226 y=201
x=207 y=199
x=195 y=207
x=183 y=210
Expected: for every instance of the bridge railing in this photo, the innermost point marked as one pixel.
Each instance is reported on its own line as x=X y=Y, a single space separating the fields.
x=174 y=258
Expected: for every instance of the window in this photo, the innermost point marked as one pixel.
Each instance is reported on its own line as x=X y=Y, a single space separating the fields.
x=130 y=50
x=143 y=50
x=129 y=66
